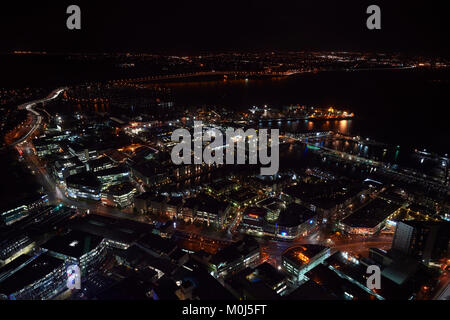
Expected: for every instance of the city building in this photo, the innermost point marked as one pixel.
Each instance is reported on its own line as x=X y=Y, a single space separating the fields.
x=326 y=198
x=10 y=215
x=194 y=282
x=37 y=277
x=242 y=197
x=273 y=206
x=113 y=176
x=156 y=204
x=235 y=257
x=119 y=233
x=206 y=209
x=254 y=220
x=43 y=147
x=424 y=241
x=310 y=290
x=173 y=207
x=293 y=221
x=13 y=247
x=221 y=187
x=101 y=163
x=370 y=218
x=270 y=184
x=156 y=245
x=83 y=185
x=402 y=276
x=77 y=248
x=119 y=195
x=150 y=173
x=81 y=152
x=22 y=236
x=298 y=260
x=64 y=167
x=339 y=286
x=141 y=202
x=263 y=282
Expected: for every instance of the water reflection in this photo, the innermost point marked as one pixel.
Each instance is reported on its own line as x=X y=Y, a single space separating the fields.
x=341 y=126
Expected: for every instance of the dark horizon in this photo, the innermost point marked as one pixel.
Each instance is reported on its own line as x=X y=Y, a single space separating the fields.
x=190 y=28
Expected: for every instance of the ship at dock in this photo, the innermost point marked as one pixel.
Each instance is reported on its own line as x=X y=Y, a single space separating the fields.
x=296 y=112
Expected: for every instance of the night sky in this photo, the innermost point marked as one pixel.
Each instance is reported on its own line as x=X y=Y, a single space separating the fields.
x=195 y=26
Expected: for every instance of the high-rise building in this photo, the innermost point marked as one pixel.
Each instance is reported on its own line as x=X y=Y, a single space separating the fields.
x=425 y=241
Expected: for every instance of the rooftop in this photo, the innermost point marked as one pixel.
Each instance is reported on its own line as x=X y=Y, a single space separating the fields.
x=371 y=214
x=121 y=230
x=99 y=162
x=336 y=285
x=258 y=283
x=73 y=244
x=243 y=194
x=148 y=168
x=87 y=179
x=131 y=288
x=221 y=185
x=311 y=291
x=325 y=195
x=157 y=244
x=120 y=189
x=294 y=215
x=175 y=201
x=112 y=171
x=302 y=254
x=235 y=251
x=205 y=286
x=255 y=213
x=206 y=203
x=35 y=269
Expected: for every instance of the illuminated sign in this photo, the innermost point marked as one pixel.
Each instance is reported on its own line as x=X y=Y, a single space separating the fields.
x=73 y=277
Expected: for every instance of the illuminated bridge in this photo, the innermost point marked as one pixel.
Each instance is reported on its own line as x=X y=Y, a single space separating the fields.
x=208 y=73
